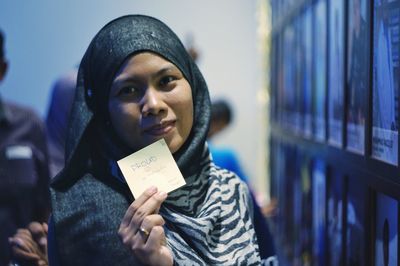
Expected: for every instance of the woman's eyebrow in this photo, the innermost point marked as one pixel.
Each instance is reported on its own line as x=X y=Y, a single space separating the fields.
x=120 y=81
x=166 y=69
x=133 y=79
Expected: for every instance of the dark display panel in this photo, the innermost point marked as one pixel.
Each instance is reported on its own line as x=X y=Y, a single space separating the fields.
x=356 y=223
x=336 y=72
x=307 y=49
x=358 y=73
x=319 y=217
x=335 y=172
x=335 y=214
x=319 y=69
x=386 y=81
x=386 y=235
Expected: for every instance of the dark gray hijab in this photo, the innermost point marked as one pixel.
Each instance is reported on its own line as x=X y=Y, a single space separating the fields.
x=115 y=42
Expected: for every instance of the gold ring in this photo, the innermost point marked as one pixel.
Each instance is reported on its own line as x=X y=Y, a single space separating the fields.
x=144 y=231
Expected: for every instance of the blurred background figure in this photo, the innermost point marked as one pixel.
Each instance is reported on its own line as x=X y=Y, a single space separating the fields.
x=29 y=244
x=57 y=119
x=24 y=175
x=221 y=117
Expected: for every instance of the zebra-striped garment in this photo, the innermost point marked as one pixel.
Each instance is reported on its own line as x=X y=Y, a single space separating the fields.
x=209 y=222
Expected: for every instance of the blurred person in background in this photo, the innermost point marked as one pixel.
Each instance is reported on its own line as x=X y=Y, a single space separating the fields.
x=24 y=175
x=29 y=244
x=57 y=119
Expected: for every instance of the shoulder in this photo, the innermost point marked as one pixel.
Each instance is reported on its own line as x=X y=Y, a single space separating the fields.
x=23 y=115
x=21 y=111
x=229 y=180
x=90 y=208
x=86 y=192
x=90 y=199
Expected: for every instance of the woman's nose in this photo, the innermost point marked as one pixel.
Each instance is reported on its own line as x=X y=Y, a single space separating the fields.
x=152 y=102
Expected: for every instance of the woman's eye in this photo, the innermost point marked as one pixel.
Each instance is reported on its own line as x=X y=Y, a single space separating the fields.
x=167 y=79
x=128 y=91
x=131 y=93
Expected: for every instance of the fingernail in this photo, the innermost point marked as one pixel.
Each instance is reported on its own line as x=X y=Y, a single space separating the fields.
x=162 y=194
x=42 y=241
x=152 y=189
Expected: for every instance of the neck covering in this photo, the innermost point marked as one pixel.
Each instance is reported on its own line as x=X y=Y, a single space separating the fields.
x=108 y=50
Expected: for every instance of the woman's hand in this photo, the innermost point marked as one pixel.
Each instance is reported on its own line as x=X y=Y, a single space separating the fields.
x=30 y=244
x=142 y=229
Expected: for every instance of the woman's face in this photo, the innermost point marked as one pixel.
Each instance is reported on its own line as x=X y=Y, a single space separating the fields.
x=150 y=99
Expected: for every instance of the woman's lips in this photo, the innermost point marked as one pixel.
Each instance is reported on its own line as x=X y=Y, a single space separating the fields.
x=160 y=129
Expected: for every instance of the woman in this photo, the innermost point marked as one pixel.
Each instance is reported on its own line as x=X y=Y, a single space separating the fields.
x=136 y=85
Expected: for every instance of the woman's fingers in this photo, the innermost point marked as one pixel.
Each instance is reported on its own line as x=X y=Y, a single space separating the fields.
x=39 y=234
x=141 y=228
x=131 y=235
x=145 y=205
x=20 y=254
x=24 y=249
x=42 y=263
x=133 y=208
x=147 y=208
x=152 y=220
x=155 y=251
x=23 y=242
x=148 y=224
x=156 y=238
x=46 y=228
x=23 y=232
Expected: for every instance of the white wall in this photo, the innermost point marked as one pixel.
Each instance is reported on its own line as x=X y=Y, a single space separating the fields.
x=45 y=38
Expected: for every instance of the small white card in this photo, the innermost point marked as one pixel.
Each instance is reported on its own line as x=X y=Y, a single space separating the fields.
x=151 y=166
x=19 y=152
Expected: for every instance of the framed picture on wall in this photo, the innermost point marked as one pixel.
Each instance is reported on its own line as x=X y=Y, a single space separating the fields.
x=297 y=198
x=335 y=226
x=289 y=77
x=274 y=61
x=306 y=212
x=318 y=207
x=356 y=223
x=336 y=72
x=386 y=232
x=279 y=80
x=306 y=66
x=291 y=175
x=319 y=68
x=357 y=72
x=298 y=60
x=385 y=80
x=283 y=220
x=274 y=15
x=279 y=185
